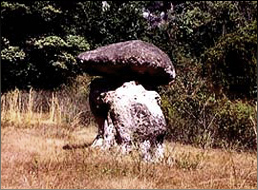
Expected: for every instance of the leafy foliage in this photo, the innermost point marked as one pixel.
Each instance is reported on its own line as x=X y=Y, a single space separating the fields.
x=51 y=34
x=232 y=62
x=195 y=115
x=36 y=50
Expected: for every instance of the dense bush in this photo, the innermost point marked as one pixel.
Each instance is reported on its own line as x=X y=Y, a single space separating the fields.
x=45 y=63
x=197 y=116
x=232 y=62
x=236 y=125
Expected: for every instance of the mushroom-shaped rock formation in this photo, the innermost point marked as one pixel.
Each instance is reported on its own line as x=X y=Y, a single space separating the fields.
x=132 y=60
x=125 y=111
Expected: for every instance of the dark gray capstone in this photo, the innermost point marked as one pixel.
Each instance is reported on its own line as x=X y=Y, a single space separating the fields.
x=131 y=60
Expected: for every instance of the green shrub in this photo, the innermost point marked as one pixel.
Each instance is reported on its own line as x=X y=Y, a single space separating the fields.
x=232 y=62
x=197 y=116
x=235 y=125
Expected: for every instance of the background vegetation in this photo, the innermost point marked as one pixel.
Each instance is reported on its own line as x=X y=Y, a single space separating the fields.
x=213 y=46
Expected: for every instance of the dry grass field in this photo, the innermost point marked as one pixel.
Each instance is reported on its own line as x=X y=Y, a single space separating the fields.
x=32 y=156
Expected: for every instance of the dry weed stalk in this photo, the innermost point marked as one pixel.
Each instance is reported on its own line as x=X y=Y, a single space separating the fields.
x=18 y=108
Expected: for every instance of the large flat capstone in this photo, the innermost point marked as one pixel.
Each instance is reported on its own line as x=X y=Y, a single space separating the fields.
x=135 y=60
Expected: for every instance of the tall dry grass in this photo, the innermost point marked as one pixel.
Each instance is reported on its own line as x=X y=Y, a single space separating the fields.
x=19 y=110
x=38 y=107
x=36 y=126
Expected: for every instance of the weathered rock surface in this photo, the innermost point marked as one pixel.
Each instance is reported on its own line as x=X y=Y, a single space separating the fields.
x=98 y=108
x=134 y=117
x=132 y=60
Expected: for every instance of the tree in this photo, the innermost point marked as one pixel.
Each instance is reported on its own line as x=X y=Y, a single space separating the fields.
x=41 y=39
x=232 y=62
x=37 y=48
x=213 y=33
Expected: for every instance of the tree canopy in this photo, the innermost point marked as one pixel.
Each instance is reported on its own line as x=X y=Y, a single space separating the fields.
x=40 y=39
